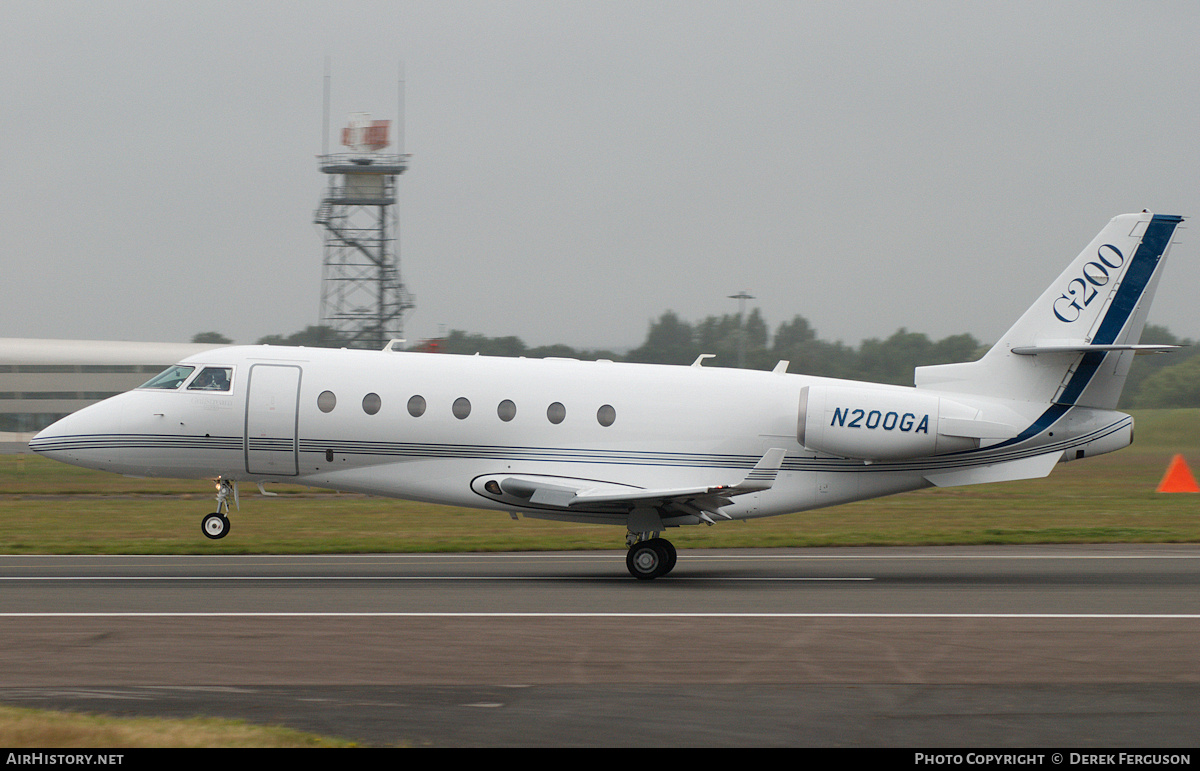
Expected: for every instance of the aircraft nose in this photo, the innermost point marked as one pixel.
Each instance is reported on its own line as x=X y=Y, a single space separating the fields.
x=47 y=440
x=76 y=438
x=58 y=438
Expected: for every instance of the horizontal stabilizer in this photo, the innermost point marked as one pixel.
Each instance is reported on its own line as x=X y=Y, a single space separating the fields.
x=1033 y=350
x=1026 y=468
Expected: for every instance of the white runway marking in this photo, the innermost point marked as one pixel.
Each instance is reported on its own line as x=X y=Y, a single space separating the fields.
x=575 y=614
x=625 y=579
x=1187 y=551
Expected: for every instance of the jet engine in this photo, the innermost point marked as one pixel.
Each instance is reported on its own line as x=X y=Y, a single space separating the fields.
x=877 y=424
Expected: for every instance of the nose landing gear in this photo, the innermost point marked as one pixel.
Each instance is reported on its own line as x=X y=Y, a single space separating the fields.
x=216 y=525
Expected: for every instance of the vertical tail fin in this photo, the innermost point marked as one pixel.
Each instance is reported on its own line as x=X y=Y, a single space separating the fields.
x=1076 y=343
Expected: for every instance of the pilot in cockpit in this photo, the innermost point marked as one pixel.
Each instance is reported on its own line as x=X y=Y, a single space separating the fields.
x=211 y=379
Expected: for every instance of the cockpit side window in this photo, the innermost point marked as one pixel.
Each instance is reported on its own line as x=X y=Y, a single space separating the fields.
x=212 y=379
x=170 y=378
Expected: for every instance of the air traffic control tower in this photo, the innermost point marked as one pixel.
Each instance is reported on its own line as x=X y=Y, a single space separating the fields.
x=362 y=295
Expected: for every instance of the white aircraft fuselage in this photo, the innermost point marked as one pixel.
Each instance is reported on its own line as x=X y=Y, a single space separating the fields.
x=645 y=446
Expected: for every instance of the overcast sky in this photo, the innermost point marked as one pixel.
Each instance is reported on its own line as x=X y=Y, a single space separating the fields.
x=580 y=167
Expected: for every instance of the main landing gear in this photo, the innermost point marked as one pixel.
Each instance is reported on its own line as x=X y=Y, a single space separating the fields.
x=216 y=525
x=649 y=556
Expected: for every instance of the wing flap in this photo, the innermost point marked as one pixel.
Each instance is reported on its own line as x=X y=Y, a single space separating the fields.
x=561 y=492
x=761 y=477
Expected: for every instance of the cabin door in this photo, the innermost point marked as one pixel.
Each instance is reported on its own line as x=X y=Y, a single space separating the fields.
x=272 y=398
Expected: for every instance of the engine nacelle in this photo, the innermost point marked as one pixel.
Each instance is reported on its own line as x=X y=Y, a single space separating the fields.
x=884 y=424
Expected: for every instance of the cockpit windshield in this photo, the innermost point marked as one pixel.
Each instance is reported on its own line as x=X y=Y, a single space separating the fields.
x=170 y=378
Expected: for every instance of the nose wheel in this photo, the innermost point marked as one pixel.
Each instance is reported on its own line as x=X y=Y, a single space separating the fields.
x=650 y=558
x=215 y=525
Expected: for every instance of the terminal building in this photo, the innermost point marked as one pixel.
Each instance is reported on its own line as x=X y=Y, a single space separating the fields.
x=43 y=380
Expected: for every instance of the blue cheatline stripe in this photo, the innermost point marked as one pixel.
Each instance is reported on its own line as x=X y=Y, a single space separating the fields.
x=1137 y=277
x=135 y=441
x=1044 y=421
x=1088 y=366
x=418 y=451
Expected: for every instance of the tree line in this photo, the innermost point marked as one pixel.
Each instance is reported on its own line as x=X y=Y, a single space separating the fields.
x=1155 y=381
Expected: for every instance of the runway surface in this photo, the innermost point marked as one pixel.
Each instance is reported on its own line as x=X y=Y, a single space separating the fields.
x=1084 y=646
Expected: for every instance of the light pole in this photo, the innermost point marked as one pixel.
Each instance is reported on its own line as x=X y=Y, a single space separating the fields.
x=741 y=297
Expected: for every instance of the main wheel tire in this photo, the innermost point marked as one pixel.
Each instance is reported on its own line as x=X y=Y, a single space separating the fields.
x=650 y=559
x=672 y=556
x=215 y=526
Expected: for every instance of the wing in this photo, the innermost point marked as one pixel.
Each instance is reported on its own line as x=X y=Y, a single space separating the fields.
x=571 y=494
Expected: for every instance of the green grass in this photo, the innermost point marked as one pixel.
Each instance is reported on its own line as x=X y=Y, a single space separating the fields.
x=20 y=727
x=48 y=507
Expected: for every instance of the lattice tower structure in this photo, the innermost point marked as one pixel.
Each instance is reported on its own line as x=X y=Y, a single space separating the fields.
x=363 y=297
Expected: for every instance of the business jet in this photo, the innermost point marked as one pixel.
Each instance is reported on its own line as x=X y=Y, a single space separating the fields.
x=649 y=447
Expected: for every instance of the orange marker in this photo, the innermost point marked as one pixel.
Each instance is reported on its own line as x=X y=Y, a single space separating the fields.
x=1178 y=478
